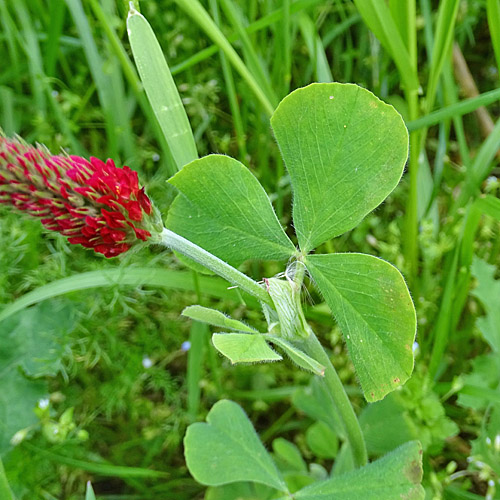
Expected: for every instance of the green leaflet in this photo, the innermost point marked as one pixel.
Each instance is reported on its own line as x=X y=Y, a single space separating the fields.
x=225 y=210
x=227 y=449
x=373 y=307
x=33 y=344
x=244 y=348
x=345 y=151
x=299 y=357
x=488 y=292
x=216 y=318
x=395 y=476
x=161 y=89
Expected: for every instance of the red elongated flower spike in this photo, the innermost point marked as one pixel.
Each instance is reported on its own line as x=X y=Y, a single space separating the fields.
x=93 y=203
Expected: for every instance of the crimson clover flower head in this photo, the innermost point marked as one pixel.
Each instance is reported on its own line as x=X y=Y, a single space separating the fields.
x=91 y=202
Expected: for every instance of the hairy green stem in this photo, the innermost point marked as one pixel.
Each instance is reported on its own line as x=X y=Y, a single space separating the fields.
x=355 y=437
x=210 y=261
x=313 y=348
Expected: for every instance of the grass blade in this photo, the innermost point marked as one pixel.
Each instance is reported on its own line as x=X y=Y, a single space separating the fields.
x=7 y=115
x=100 y=468
x=458 y=109
x=31 y=48
x=5 y=491
x=198 y=336
x=493 y=12
x=131 y=76
x=377 y=16
x=458 y=278
x=9 y=28
x=161 y=90
x=231 y=92
x=163 y=278
x=316 y=49
x=196 y=11
x=443 y=40
x=480 y=168
x=441 y=330
x=104 y=85
x=253 y=61
x=56 y=13
x=273 y=17
x=450 y=97
x=286 y=49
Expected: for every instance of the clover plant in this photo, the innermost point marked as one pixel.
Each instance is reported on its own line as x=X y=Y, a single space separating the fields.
x=345 y=151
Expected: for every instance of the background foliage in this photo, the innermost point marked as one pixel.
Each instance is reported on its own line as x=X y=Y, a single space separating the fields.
x=98 y=381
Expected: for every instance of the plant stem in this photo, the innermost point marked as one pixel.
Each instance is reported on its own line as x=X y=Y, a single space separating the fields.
x=210 y=261
x=5 y=491
x=313 y=348
x=411 y=250
x=355 y=437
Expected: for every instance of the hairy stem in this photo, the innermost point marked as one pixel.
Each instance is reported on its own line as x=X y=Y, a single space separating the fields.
x=355 y=437
x=218 y=266
x=313 y=348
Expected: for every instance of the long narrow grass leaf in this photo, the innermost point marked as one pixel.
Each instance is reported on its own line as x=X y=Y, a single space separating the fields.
x=5 y=491
x=493 y=12
x=141 y=276
x=196 y=11
x=198 y=339
x=9 y=28
x=131 y=76
x=99 y=468
x=377 y=16
x=458 y=109
x=480 y=168
x=253 y=62
x=443 y=40
x=55 y=26
x=441 y=330
x=315 y=48
x=258 y=25
x=231 y=92
x=161 y=90
x=89 y=495
x=104 y=87
x=7 y=115
x=33 y=54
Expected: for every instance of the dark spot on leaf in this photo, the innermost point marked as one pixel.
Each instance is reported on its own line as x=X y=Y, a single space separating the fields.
x=413 y=471
x=397 y=380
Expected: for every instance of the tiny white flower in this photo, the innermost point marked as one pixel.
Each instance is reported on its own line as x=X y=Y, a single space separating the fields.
x=146 y=362
x=43 y=403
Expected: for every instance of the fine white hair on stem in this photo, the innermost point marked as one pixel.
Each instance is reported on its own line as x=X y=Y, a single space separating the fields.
x=291 y=271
